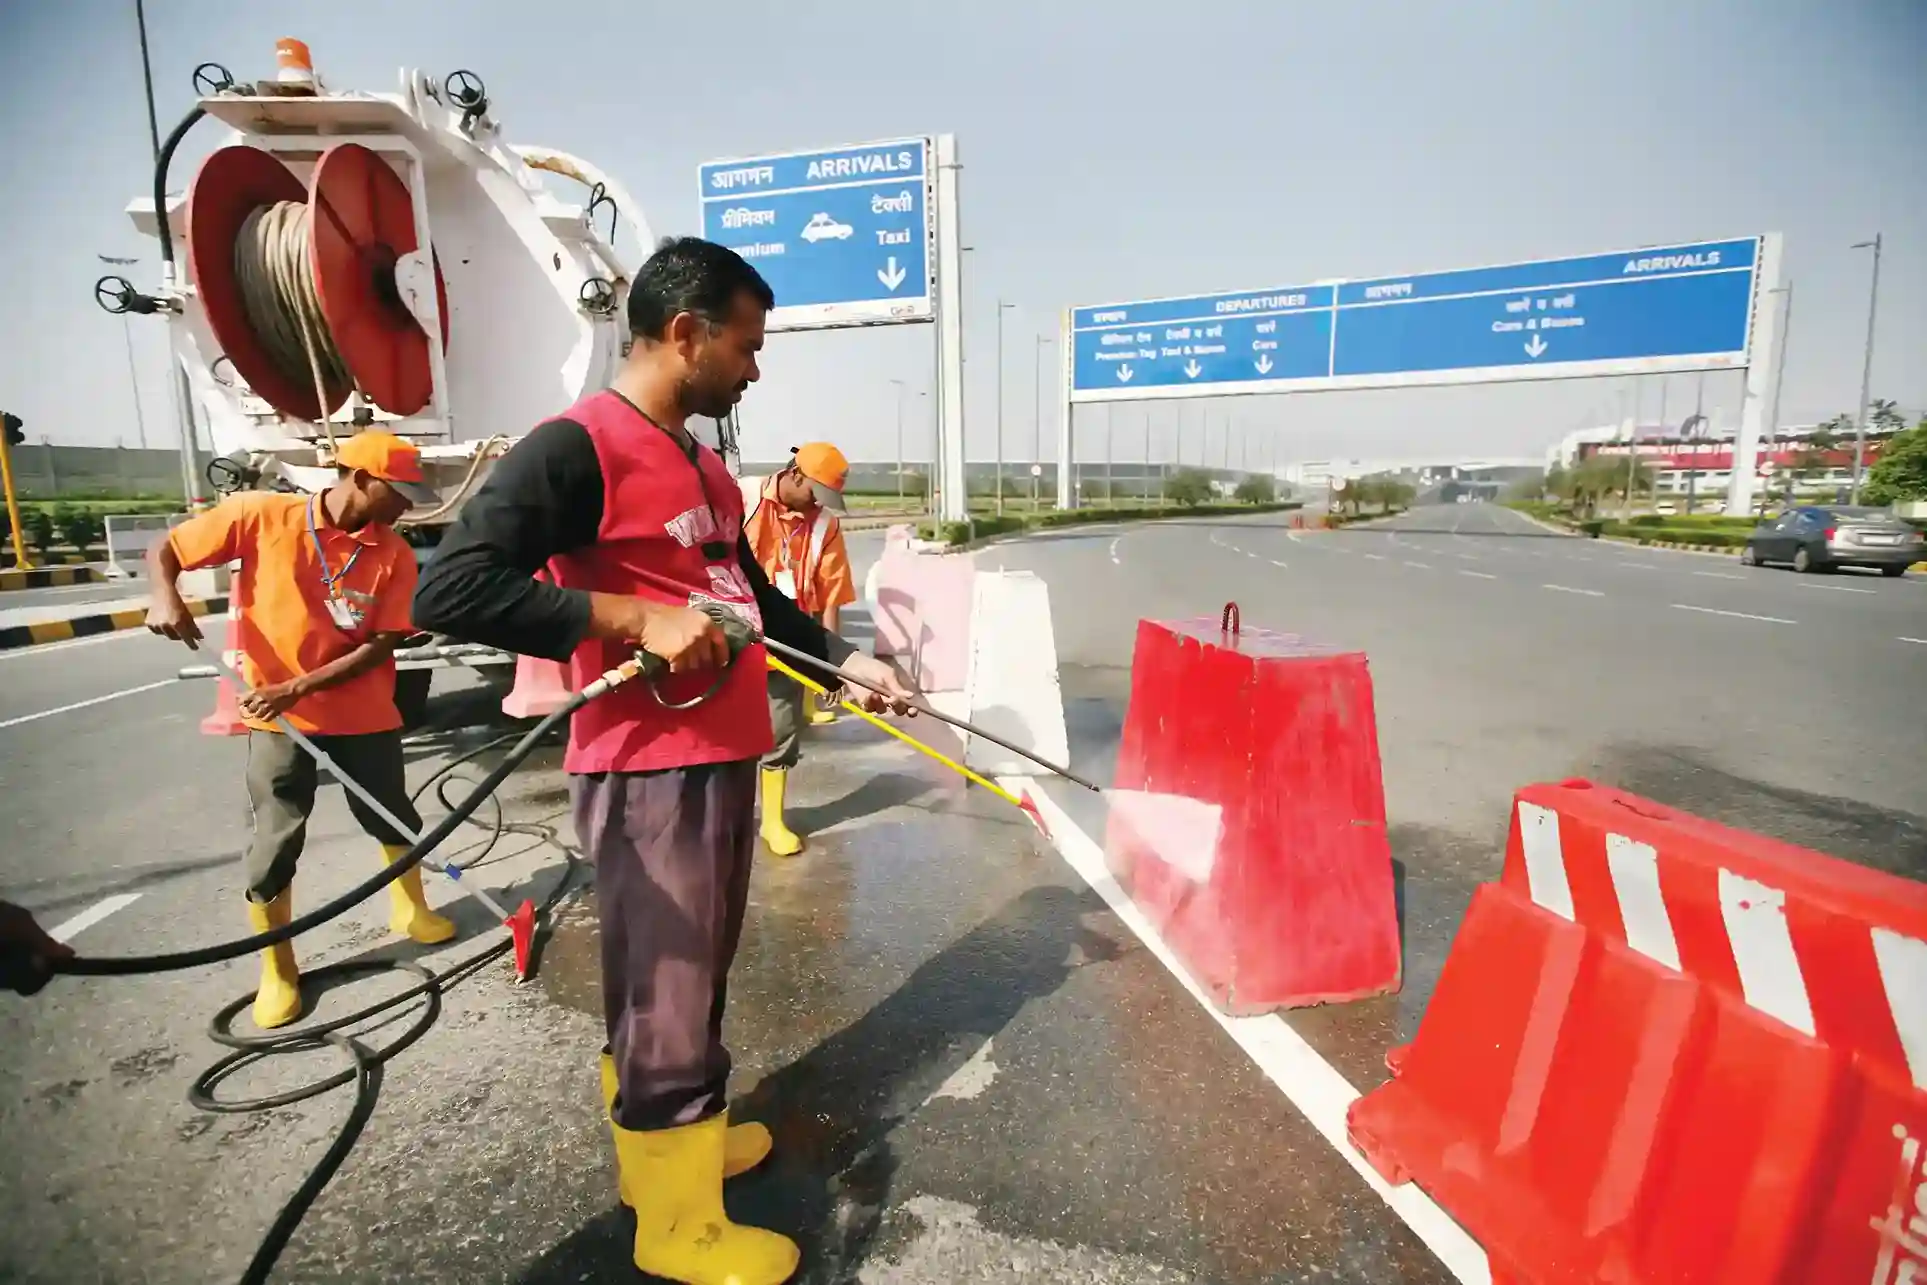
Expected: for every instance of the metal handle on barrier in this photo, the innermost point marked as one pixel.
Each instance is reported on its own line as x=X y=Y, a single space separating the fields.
x=1230 y=622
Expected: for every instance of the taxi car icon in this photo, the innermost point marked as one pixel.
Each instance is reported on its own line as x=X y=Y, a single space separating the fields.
x=822 y=227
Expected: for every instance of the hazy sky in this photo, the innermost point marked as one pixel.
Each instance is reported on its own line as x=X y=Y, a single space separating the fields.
x=1109 y=153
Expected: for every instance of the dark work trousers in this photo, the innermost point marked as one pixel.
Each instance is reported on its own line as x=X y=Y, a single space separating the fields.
x=281 y=785
x=672 y=853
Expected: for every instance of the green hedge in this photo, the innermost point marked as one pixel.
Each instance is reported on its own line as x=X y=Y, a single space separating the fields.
x=956 y=534
x=1676 y=534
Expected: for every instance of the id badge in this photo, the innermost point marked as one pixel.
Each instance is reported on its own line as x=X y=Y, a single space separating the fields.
x=345 y=617
x=786 y=583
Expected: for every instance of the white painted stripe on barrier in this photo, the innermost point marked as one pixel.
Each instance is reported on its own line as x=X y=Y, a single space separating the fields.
x=1770 y=976
x=1312 y=1084
x=1903 y=972
x=1642 y=907
x=1545 y=863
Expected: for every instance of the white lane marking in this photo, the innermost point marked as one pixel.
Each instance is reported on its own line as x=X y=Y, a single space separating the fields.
x=1836 y=588
x=1469 y=557
x=1376 y=557
x=1422 y=566
x=1312 y=1084
x=1563 y=588
x=1276 y=563
x=98 y=700
x=1921 y=641
x=1638 y=566
x=969 y=1080
x=1770 y=976
x=92 y=915
x=1478 y=575
x=1737 y=615
x=93 y=640
x=1718 y=575
x=1115 y=560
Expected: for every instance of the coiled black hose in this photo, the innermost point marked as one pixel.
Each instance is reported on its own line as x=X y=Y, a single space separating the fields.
x=362 y=1065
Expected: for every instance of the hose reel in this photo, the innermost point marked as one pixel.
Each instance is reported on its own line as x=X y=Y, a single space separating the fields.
x=303 y=285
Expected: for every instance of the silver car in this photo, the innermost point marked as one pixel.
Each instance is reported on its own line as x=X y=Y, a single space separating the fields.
x=1824 y=537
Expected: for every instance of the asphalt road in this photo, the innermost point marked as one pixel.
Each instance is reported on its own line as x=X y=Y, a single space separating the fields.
x=974 y=1071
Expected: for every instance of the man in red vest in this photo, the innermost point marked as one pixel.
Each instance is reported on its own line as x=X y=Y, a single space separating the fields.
x=638 y=524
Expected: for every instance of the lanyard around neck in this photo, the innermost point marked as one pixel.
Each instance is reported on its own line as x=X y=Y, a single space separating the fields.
x=329 y=578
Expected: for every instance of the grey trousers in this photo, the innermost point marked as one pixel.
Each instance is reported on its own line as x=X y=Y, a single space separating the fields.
x=281 y=784
x=787 y=714
x=672 y=852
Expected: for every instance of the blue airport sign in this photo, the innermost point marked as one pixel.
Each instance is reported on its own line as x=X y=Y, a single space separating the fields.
x=843 y=236
x=1686 y=307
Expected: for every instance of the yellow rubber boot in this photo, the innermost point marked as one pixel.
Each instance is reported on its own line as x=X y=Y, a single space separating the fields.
x=409 y=913
x=278 y=1000
x=682 y=1233
x=821 y=711
x=777 y=837
x=745 y=1145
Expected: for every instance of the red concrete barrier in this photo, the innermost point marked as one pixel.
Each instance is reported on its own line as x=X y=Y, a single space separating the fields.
x=1248 y=817
x=1666 y=1052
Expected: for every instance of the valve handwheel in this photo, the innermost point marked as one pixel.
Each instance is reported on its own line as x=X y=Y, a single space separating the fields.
x=362 y=220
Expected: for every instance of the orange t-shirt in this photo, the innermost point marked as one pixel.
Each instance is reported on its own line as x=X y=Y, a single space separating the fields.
x=284 y=627
x=781 y=541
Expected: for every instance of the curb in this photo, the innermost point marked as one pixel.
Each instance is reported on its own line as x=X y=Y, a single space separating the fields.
x=48 y=631
x=47 y=577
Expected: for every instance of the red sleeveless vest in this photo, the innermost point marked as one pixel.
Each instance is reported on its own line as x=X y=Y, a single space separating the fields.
x=658 y=511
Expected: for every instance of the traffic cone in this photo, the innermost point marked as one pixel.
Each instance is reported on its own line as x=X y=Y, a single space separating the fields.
x=226 y=718
x=541 y=688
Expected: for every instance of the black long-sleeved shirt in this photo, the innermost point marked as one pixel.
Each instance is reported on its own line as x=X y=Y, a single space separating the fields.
x=542 y=499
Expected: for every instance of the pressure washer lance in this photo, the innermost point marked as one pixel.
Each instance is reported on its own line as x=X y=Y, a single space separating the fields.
x=521 y=924
x=738 y=633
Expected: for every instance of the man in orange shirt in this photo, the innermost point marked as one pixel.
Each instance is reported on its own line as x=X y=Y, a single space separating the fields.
x=323 y=593
x=795 y=536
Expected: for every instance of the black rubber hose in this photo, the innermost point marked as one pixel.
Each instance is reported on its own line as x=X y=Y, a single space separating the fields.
x=125 y=965
x=363 y=1065
x=161 y=164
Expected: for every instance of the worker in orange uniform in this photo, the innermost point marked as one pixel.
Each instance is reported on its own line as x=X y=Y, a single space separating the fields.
x=795 y=536
x=324 y=594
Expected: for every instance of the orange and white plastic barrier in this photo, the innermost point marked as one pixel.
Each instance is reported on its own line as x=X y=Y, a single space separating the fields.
x=1664 y=1050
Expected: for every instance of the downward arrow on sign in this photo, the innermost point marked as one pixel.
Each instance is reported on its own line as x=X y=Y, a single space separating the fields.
x=1192 y=370
x=1263 y=364
x=1537 y=346
x=890 y=274
x=1123 y=374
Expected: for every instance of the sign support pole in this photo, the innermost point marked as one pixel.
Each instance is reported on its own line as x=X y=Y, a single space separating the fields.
x=1066 y=461
x=953 y=496
x=1760 y=396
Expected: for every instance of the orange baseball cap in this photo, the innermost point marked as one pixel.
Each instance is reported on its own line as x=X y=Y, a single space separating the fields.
x=393 y=460
x=826 y=469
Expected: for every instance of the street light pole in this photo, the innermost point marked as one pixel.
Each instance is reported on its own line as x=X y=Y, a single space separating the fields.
x=133 y=372
x=900 y=388
x=1002 y=308
x=1037 y=420
x=1866 y=367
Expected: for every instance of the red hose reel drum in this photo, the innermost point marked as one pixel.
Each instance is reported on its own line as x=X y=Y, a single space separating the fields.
x=361 y=219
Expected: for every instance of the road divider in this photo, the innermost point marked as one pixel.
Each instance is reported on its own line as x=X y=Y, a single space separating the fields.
x=1664 y=1049
x=46 y=577
x=1012 y=681
x=89 y=624
x=1247 y=819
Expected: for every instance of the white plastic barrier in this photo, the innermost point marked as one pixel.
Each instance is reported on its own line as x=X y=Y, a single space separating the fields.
x=1013 y=688
x=128 y=536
